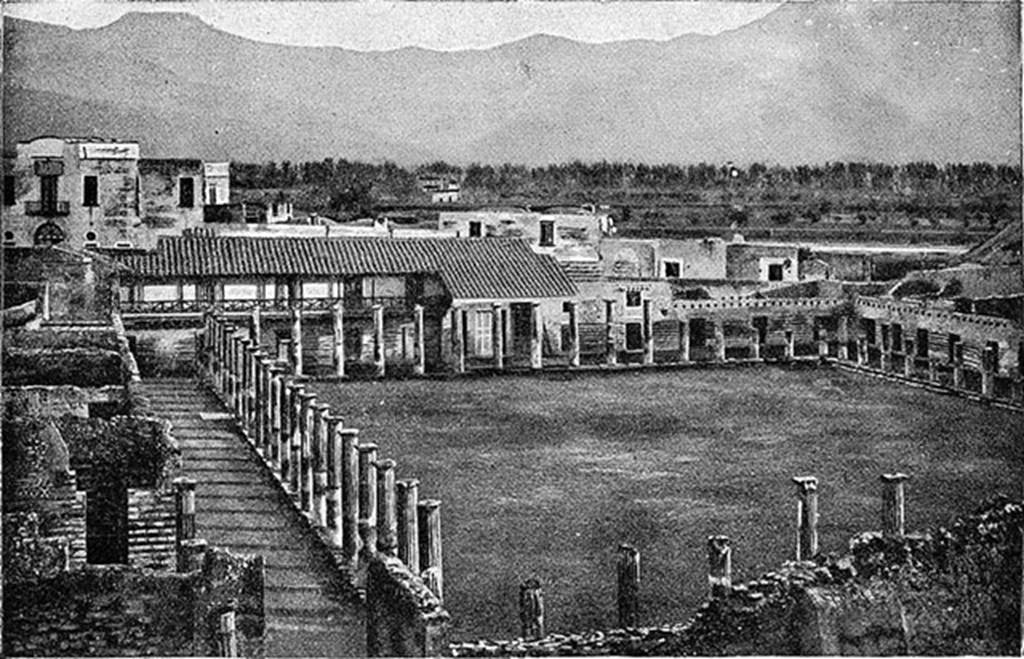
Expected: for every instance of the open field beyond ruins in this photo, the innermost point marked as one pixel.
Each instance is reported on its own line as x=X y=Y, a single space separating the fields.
x=546 y=475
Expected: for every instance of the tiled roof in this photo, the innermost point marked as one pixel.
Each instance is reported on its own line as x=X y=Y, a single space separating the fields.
x=488 y=268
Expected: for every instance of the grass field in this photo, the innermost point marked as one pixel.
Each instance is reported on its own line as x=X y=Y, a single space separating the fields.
x=547 y=475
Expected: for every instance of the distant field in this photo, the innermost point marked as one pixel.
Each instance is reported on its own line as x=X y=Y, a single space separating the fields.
x=546 y=475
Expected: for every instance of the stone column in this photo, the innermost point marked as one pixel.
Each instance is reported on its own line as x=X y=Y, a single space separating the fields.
x=227 y=635
x=379 y=358
x=184 y=519
x=885 y=348
x=822 y=339
x=458 y=341
x=790 y=351
x=574 y=334
x=497 y=337
x=719 y=565
x=350 y=493
x=229 y=360
x=295 y=440
x=844 y=338
x=234 y=368
x=216 y=344
x=251 y=391
x=536 y=337
x=755 y=345
x=988 y=372
x=408 y=523
x=387 y=513
x=255 y=326
x=531 y=610
x=862 y=351
x=266 y=407
x=420 y=366
x=684 y=341
x=339 y=339
x=648 y=333
x=629 y=586
x=307 y=436
x=259 y=401
x=238 y=390
x=958 y=365
x=277 y=394
x=908 y=358
x=332 y=491
x=368 y=497
x=320 y=426
x=242 y=399
x=284 y=352
x=893 y=516
x=296 y=313
x=719 y=340
x=611 y=355
x=429 y=521
x=807 y=517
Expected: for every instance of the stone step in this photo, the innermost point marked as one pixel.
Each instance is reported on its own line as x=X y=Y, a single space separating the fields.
x=317 y=640
x=239 y=519
x=299 y=602
x=236 y=491
x=240 y=508
x=267 y=537
x=213 y=453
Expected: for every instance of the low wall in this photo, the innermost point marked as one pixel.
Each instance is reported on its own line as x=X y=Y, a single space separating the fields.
x=947 y=592
x=124 y=611
x=403 y=618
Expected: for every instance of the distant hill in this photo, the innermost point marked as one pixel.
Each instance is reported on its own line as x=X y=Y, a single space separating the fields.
x=807 y=83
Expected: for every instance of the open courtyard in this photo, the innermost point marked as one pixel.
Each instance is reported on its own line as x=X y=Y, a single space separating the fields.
x=546 y=475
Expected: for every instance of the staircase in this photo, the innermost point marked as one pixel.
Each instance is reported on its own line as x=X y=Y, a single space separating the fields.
x=241 y=508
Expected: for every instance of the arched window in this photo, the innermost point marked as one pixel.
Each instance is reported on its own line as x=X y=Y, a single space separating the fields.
x=49 y=234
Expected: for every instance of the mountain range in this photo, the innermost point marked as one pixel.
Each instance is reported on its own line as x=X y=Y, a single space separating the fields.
x=808 y=83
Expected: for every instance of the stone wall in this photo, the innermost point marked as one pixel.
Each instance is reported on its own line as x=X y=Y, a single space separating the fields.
x=948 y=591
x=403 y=618
x=125 y=611
x=974 y=330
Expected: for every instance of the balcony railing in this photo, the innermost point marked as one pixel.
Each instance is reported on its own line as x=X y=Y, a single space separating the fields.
x=49 y=209
x=312 y=304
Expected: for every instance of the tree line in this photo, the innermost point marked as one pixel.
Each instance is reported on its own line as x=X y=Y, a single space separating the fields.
x=342 y=184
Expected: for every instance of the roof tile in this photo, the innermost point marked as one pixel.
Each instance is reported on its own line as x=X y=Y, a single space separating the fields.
x=486 y=268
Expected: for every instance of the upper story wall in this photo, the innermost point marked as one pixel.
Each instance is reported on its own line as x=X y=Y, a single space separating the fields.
x=73 y=192
x=755 y=262
x=558 y=234
x=80 y=192
x=217 y=183
x=172 y=192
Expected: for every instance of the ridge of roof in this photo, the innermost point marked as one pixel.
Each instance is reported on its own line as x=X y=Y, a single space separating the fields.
x=471 y=268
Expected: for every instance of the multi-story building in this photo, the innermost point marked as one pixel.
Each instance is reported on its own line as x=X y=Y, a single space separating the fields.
x=88 y=192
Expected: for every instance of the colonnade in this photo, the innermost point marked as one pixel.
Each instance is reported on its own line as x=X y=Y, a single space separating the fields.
x=338 y=482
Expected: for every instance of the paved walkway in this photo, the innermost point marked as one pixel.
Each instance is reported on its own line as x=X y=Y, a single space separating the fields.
x=241 y=508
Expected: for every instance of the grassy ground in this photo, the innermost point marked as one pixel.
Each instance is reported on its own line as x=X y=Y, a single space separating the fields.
x=547 y=475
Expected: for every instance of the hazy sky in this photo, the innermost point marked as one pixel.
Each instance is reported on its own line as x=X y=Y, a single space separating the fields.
x=435 y=25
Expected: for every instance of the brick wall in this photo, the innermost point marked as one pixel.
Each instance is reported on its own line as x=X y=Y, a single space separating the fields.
x=151 y=527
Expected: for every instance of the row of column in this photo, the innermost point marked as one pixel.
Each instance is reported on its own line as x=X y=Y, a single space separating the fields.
x=339 y=483
x=292 y=347
x=988 y=367
x=460 y=324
